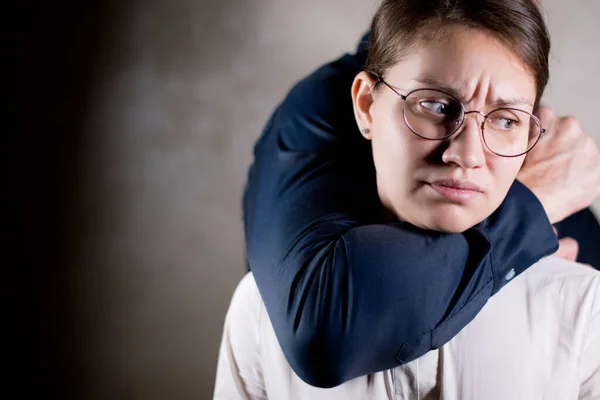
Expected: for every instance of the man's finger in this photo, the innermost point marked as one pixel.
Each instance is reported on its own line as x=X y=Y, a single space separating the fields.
x=568 y=248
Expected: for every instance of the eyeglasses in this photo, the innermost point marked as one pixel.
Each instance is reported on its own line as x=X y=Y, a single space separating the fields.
x=433 y=114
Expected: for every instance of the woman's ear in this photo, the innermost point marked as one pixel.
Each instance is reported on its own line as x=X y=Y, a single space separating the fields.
x=362 y=98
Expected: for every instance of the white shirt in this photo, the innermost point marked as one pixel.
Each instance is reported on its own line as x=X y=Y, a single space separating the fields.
x=538 y=338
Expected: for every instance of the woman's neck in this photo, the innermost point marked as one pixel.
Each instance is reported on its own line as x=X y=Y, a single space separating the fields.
x=388 y=216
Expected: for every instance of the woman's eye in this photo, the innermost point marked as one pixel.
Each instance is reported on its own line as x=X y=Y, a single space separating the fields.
x=435 y=107
x=505 y=123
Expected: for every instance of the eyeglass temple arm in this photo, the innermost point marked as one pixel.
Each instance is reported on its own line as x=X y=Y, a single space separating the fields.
x=380 y=79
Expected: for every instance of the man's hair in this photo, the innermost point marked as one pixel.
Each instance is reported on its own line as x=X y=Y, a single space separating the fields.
x=399 y=25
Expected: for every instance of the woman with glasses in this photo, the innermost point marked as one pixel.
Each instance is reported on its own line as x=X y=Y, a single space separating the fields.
x=446 y=104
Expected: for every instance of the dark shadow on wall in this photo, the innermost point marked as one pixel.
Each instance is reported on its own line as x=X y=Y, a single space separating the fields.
x=58 y=53
x=54 y=47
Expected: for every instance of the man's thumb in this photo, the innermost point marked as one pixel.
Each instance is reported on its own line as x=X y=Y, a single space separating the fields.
x=568 y=248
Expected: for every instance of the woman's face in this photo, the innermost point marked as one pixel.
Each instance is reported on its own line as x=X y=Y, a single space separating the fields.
x=453 y=184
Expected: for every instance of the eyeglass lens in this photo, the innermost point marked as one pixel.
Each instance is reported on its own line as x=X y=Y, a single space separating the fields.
x=432 y=114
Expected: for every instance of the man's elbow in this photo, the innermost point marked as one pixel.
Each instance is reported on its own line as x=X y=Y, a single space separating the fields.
x=316 y=360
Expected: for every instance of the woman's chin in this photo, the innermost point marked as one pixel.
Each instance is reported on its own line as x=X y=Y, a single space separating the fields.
x=447 y=218
x=451 y=221
x=451 y=227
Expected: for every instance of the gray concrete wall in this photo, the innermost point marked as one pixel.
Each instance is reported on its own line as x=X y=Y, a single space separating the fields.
x=155 y=106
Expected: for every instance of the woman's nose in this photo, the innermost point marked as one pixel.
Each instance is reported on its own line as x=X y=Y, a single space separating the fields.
x=465 y=147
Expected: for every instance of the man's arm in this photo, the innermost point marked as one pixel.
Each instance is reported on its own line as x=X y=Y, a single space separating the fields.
x=346 y=294
x=566 y=160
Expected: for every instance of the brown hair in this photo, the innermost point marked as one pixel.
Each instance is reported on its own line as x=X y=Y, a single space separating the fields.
x=398 y=25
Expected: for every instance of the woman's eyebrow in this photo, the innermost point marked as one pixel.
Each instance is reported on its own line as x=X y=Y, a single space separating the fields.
x=512 y=102
x=435 y=84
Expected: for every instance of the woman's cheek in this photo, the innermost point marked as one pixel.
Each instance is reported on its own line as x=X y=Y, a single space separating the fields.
x=504 y=173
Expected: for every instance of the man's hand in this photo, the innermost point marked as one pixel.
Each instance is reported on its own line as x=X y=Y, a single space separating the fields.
x=563 y=169
x=568 y=248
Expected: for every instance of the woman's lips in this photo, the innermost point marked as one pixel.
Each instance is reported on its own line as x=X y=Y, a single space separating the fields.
x=458 y=191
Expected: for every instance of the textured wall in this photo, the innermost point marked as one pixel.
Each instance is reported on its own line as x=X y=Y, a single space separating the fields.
x=142 y=119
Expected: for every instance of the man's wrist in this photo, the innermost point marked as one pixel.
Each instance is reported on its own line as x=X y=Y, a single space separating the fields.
x=547 y=204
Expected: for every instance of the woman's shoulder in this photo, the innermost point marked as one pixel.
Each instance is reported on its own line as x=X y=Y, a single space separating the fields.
x=242 y=322
x=565 y=290
x=246 y=301
x=556 y=292
x=239 y=370
x=557 y=273
x=569 y=294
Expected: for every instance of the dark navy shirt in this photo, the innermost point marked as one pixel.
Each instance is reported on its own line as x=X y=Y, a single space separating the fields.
x=348 y=294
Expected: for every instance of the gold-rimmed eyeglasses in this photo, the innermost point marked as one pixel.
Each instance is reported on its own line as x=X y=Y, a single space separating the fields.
x=433 y=114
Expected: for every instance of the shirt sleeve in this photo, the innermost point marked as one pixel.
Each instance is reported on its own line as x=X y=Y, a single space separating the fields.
x=239 y=369
x=590 y=365
x=348 y=295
